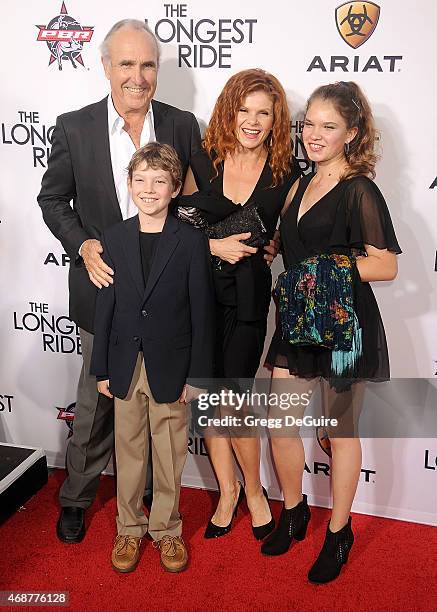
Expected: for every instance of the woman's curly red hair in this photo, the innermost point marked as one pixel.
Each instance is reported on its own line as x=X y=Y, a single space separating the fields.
x=220 y=139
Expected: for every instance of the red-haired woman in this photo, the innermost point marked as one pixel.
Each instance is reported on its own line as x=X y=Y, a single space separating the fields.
x=337 y=218
x=247 y=156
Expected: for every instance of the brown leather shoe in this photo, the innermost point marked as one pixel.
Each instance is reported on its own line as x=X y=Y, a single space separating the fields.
x=126 y=553
x=174 y=556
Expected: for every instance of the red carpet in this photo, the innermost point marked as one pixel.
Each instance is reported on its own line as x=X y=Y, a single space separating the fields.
x=392 y=566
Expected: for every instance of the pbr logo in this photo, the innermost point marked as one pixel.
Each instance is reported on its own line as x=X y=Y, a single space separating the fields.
x=356 y=22
x=65 y=38
x=67 y=415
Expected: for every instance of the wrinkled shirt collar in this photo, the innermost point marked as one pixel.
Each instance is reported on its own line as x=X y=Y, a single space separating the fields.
x=116 y=123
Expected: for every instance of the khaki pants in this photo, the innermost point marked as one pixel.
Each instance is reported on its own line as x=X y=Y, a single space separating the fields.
x=139 y=419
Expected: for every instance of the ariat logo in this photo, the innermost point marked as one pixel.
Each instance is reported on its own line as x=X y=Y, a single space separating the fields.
x=356 y=22
x=323 y=440
x=324 y=468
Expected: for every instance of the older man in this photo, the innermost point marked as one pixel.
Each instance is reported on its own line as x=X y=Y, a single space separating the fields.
x=90 y=154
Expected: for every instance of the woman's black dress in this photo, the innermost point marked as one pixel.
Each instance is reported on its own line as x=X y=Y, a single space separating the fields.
x=243 y=290
x=352 y=214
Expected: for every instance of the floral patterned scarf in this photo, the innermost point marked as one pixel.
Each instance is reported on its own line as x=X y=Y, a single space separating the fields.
x=316 y=308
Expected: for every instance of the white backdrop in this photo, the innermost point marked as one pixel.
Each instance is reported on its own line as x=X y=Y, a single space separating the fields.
x=301 y=45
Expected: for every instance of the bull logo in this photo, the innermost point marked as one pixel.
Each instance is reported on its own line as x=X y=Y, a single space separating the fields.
x=65 y=38
x=67 y=415
x=356 y=21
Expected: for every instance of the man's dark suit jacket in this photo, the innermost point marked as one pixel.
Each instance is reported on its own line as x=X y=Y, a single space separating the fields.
x=171 y=318
x=80 y=170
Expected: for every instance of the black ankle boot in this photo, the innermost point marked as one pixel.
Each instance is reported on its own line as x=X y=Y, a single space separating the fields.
x=333 y=556
x=293 y=523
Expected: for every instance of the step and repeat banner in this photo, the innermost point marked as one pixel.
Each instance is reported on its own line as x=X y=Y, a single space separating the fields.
x=389 y=48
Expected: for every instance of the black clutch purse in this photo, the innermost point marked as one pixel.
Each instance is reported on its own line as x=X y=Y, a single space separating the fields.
x=239 y=220
x=245 y=219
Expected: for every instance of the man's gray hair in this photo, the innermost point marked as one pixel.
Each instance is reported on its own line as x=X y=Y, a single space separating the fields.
x=134 y=24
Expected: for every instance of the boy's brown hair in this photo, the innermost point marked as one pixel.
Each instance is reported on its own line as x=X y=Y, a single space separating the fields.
x=158 y=156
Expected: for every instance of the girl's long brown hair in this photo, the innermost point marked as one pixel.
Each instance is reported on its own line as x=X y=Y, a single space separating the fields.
x=351 y=103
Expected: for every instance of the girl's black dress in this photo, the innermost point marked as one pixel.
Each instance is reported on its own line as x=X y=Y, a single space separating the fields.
x=243 y=290
x=352 y=214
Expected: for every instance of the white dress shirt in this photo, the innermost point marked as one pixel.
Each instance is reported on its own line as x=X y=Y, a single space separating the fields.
x=122 y=148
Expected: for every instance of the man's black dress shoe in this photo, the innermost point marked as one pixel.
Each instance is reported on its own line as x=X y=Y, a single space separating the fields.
x=71 y=525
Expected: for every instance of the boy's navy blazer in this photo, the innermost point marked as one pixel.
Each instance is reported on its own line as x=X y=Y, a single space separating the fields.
x=171 y=318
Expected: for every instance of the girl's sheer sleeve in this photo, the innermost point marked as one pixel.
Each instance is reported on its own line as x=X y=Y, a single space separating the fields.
x=369 y=218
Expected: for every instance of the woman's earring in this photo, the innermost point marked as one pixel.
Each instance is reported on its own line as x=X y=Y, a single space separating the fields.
x=346 y=148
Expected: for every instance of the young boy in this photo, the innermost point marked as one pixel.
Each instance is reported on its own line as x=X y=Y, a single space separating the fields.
x=154 y=329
